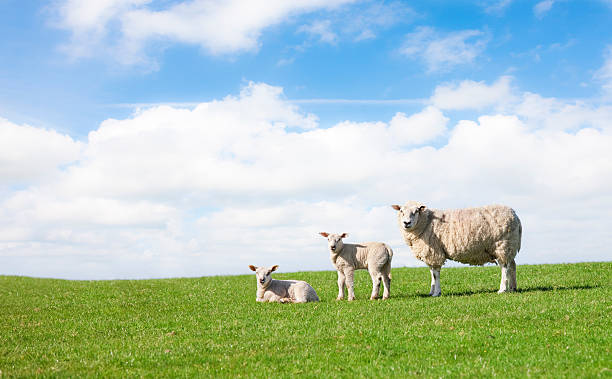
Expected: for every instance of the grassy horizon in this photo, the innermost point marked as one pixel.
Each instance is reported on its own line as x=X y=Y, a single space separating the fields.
x=557 y=325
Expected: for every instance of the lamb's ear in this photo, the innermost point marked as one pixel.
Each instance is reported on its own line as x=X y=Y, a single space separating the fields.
x=422 y=208
x=396 y=207
x=324 y=234
x=253 y=268
x=344 y=235
x=273 y=268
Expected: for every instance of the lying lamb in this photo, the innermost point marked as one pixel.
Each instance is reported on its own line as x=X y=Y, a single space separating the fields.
x=348 y=257
x=281 y=291
x=473 y=235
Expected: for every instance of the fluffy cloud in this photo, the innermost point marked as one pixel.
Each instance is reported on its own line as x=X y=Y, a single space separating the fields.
x=127 y=27
x=441 y=52
x=419 y=128
x=536 y=111
x=28 y=153
x=472 y=95
x=250 y=179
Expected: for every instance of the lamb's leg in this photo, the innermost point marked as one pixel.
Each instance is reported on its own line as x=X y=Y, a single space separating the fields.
x=511 y=275
x=341 y=280
x=376 y=276
x=435 y=281
x=349 y=284
x=503 y=286
x=387 y=281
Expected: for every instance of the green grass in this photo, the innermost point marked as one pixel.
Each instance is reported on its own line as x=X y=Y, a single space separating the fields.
x=559 y=324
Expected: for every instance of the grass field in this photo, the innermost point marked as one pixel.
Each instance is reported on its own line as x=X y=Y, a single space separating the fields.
x=559 y=324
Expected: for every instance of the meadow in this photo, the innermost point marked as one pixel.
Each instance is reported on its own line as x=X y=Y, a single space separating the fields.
x=559 y=324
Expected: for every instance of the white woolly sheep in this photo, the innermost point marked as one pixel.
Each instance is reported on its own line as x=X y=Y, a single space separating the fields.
x=473 y=235
x=348 y=257
x=281 y=291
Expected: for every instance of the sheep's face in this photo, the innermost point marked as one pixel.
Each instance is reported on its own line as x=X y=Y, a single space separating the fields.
x=334 y=241
x=263 y=274
x=409 y=215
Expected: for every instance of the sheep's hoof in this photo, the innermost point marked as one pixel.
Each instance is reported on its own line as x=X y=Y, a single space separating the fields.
x=436 y=294
x=385 y=297
x=339 y=298
x=502 y=290
x=351 y=298
x=373 y=297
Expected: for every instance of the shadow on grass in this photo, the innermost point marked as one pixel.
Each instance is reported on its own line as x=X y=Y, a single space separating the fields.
x=520 y=290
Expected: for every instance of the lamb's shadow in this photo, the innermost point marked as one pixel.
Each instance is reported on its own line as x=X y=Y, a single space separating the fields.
x=520 y=290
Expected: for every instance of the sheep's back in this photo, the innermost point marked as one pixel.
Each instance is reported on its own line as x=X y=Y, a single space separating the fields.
x=470 y=235
x=301 y=290
x=361 y=255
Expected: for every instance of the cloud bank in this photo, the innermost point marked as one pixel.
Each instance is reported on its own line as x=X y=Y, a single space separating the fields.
x=252 y=179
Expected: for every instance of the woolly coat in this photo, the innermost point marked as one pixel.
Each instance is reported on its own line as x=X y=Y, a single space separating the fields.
x=473 y=235
x=293 y=291
x=369 y=255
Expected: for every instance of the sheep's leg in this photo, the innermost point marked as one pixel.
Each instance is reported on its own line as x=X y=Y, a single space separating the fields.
x=349 y=284
x=341 y=280
x=511 y=275
x=435 y=281
x=386 y=277
x=375 y=285
x=503 y=286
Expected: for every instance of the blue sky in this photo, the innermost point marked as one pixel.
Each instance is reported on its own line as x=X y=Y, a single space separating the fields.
x=419 y=98
x=554 y=54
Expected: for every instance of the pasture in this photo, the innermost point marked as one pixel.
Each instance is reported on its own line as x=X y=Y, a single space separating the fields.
x=559 y=324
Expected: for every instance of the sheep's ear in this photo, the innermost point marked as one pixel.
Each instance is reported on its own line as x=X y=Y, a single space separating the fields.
x=273 y=268
x=343 y=235
x=422 y=208
x=324 y=234
x=396 y=207
x=253 y=268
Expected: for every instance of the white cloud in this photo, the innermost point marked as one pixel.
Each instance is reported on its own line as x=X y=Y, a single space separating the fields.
x=552 y=113
x=251 y=179
x=541 y=8
x=28 y=153
x=320 y=29
x=473 y=95
x=442 y=52
x=419 y=128
x=536 y=111
x=126 y=28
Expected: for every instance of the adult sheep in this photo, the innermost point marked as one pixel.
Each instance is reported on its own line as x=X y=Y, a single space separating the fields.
x=473 y=235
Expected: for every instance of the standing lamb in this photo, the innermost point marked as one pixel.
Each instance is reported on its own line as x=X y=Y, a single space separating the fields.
x=348 y=257
x=281 y=291
x=472 y=235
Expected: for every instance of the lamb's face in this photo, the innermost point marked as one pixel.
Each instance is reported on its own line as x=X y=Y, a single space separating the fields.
x=334 y=241
x=263 y=274
x=409 y=215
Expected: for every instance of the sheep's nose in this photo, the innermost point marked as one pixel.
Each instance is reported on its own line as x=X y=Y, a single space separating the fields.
x=333 y=248
x=261 y=281
x=407 y=224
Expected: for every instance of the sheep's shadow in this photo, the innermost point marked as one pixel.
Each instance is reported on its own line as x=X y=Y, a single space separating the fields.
x=519 y=290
